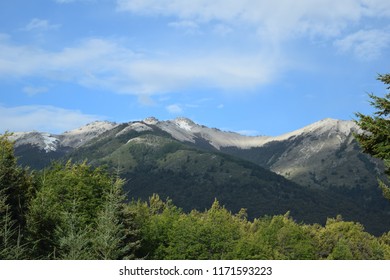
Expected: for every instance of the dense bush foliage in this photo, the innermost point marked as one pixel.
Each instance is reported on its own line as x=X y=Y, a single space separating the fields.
x=168 y=233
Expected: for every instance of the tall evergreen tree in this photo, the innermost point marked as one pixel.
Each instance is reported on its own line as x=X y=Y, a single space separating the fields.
x=375 y=138
x=113 y=237
x=74 y=238
x=12 y=246
x=15 y=183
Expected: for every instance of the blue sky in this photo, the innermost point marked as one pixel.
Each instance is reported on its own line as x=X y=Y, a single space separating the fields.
x=253 y=66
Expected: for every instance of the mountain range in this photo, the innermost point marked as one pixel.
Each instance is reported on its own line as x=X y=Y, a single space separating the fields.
x=315 y=172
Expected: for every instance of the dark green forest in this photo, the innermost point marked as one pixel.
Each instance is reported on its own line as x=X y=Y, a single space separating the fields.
x=76 y=211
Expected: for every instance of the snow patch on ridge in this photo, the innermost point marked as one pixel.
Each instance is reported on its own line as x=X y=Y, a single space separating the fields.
x=184 y=123
x=50 y=142
x=151 y=121
x=326 y=126
x=76 y=137
x=94 y=127
x=136 y=126
x=44 y=141
x=184 y=129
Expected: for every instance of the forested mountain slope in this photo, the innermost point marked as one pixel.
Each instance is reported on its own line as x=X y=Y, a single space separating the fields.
x=194 y=164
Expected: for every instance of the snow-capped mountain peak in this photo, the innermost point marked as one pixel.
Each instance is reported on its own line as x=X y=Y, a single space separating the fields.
x=151 y=121
x=326 y=126
x=184 y=123
x=183 y=129
x=76 y=137
x=332 y=125
x=94 y=127
x=50 y=141
x=44 y=141
x=186 y=130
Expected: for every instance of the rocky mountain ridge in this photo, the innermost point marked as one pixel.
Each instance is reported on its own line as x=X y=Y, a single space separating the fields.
x=182 y=129
x=322 y=154
x=323 y=171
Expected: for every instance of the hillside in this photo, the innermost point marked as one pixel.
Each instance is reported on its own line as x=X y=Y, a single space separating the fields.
x=194 y=164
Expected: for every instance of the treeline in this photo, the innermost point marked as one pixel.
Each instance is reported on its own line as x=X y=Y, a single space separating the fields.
x=74 y=211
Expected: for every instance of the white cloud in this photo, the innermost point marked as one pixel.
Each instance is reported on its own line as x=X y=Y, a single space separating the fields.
x=29 y=90
x=110 y=65
x=187 y=26
x=42 y=118
x=184 y=24
x=222 y=29
x=92 y=56
x=98 y=63
x=276 y=22
x=40 y=24
x=365 y=44
x=146 y=100
x=273 y=19
x=192 y=106
x=72 y=1
x=174 y=109
x=218 y=70
x=376 y=8
x=64 y=1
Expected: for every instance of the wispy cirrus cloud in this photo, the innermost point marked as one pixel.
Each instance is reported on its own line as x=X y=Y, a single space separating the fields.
x=42 y=118
x=365 y=44
x=277 y=18
x=64 y=1
x=222 y=29
x=188 y=26
x=111 y=65
x=106 y=64
x=31 y=91
x=37 y=24
x=275 y=22
x=174 y=108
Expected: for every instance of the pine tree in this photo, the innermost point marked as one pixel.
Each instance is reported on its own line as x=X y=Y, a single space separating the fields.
x=375 y=138
x=14 y=180
x=114 y=236
x=74 y=239
x=14 y=183
x=10 y=238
